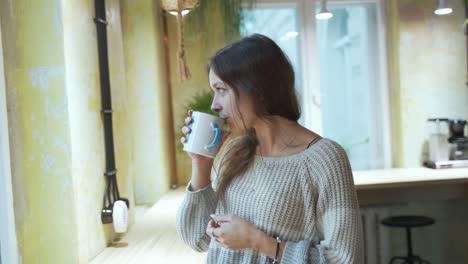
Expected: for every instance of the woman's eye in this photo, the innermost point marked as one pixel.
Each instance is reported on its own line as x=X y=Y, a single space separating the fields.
x=220 y=90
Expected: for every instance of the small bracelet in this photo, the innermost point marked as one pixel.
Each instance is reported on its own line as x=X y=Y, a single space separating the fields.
x=278 y=243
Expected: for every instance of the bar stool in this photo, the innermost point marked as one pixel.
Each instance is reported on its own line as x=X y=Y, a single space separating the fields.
x=408 y=222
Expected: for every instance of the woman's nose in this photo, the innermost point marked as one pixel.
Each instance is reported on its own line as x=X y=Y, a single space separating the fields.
x=215 y=107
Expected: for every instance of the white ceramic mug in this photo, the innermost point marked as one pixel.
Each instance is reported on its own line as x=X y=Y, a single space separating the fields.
x=205 y=136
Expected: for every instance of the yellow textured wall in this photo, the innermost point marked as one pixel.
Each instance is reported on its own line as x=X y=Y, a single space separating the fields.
x=46 y=219
x=56 y=130
x=148 y=106
x=200 y=46
x=86 y=123
x=86 y=129
x=428 y=73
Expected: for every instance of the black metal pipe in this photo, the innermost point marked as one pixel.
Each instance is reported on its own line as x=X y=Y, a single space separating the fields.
x=111 y=191
x=101 y=26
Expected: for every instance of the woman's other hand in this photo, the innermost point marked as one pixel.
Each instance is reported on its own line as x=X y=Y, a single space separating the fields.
x=233 y=232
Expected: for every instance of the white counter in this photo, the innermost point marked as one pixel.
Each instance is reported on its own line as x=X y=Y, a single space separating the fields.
x=403 y=177
x=401 y=185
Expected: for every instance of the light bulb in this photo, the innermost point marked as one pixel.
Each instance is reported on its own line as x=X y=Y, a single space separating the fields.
x=324 y=13
x=291 y=34
x=443 y=9
x=184 y=12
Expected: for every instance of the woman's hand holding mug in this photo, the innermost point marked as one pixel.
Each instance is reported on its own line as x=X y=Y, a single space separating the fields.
x=203 y=138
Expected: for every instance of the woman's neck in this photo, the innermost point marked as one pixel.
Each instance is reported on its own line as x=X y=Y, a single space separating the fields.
x=277 y=136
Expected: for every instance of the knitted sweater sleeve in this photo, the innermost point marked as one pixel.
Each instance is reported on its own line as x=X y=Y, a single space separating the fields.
x=193 y=217
x=338 y=217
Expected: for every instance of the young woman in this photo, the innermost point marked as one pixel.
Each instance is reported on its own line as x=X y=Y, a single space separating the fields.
x=281 y=194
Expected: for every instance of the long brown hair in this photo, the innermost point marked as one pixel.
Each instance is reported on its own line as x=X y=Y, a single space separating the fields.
x=258 y=68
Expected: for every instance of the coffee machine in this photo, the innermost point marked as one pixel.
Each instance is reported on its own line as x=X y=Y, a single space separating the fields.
x=448 y=145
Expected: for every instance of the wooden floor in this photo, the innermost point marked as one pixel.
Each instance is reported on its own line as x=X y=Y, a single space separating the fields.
x=153 y=238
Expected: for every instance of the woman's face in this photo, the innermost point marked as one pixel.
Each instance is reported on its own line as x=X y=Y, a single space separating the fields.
x=235 y=113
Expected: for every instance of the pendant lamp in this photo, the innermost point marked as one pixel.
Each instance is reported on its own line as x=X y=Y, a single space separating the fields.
x=180 y=8
x=324 y=13
x=443 y=8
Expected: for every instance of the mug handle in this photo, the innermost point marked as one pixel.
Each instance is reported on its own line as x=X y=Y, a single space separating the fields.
x=217 y=138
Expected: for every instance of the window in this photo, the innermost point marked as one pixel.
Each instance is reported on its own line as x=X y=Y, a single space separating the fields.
x=280 y=23
x=340 y=70
x=349 y=82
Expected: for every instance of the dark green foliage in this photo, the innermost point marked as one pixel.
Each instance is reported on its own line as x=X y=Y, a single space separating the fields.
x=197 y=20
x=201 y=102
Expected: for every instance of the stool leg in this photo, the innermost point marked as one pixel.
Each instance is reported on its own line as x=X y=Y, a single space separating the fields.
x=408 y=242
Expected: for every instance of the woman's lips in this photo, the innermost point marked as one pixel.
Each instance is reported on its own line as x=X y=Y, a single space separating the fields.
x=227 y=125
x=227 y=120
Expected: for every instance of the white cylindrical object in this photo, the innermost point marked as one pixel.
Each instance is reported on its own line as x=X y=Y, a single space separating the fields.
x=205 y=136
x=438 y=147
x=120 y=216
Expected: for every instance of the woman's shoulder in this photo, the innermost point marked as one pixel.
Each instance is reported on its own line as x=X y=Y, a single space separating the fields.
x=326 y=147
x=326 y=156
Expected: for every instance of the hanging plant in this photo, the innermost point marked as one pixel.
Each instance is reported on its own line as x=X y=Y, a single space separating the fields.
x=180 y=8
x=231 y=12
x=197 y=21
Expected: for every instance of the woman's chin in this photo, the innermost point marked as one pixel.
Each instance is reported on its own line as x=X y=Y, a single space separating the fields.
x=234 y=131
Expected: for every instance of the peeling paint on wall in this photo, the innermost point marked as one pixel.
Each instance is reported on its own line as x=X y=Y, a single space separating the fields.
x=40 y=76
x=38 y=120
x=58 y=17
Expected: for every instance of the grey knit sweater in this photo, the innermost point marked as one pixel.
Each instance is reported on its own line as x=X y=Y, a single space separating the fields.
x=307 y=199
